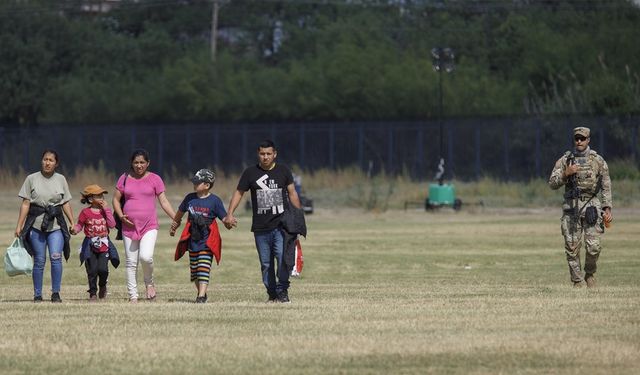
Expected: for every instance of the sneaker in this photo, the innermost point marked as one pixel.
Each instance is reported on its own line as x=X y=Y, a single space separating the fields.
x=591 y=281
x=55 y=297
x=201 y=299
x=93 y=298
x=273 y=298
x=577 y=284
x=102 y=293
x=37 y=299
x=283 y=297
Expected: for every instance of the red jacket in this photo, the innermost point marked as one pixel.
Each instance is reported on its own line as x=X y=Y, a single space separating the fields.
x=214 y=242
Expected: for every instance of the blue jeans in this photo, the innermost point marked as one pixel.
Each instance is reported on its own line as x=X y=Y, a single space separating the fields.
x=39 y=242
x=270 y=245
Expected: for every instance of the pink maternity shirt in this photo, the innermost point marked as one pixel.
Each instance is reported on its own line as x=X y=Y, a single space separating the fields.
x=140 y=203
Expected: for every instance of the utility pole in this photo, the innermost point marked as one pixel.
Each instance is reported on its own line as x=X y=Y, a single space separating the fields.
x=214 y=30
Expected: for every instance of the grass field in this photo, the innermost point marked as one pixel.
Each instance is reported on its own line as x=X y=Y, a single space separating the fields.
x=482 y=292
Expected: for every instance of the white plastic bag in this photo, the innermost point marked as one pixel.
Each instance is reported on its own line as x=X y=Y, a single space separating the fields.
x=17 y=260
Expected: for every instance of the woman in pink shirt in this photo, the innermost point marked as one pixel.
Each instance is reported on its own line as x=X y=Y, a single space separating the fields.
x=140 y=189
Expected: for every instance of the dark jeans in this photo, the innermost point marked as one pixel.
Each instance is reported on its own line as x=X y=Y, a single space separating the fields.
x=270 y=245
x=97 y=265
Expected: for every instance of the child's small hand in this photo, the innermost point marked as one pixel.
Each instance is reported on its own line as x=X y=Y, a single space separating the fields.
x=72 y=230
x=174 y=228
x=103 y=204
x=229 y=221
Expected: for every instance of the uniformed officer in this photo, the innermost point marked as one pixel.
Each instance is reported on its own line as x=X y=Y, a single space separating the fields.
x=587 y=204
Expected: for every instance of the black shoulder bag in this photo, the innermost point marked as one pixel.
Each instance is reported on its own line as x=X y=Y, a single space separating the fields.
x=117 y=218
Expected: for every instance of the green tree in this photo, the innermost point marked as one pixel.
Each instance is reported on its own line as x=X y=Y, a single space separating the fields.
x=148 y=61
x=36 y=47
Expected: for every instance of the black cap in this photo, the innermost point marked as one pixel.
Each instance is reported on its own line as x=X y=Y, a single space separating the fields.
x=204 y=175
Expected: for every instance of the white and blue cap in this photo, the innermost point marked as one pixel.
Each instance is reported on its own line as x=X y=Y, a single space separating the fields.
x=204 y=175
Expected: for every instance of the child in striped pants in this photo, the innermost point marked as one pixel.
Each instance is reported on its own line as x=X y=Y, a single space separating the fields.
x=200 y=236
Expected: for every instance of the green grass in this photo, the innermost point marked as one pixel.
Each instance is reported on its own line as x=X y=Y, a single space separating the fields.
x=482 y=292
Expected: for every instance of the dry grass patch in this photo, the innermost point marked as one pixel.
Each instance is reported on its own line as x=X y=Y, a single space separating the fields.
x=400 y=292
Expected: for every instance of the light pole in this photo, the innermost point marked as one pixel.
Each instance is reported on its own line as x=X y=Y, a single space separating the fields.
x=443 y=60
x=442 y=194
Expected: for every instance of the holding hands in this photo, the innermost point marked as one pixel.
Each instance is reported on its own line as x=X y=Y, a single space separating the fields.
x=175 y=224
x=230 y=221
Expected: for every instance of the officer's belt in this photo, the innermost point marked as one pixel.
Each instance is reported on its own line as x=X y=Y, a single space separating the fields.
x=586 y=197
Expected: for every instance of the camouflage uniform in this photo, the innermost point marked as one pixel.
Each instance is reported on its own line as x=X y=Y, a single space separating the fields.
x=591 y=167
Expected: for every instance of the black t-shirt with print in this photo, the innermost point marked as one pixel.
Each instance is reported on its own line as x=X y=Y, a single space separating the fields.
x=268 y=194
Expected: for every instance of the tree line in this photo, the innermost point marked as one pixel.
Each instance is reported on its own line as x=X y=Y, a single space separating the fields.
x=150 y=61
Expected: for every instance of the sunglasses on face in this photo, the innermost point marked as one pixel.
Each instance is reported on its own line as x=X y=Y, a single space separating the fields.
x=580 y=138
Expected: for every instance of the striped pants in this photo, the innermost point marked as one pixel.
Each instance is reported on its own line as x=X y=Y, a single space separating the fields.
x=200 y=264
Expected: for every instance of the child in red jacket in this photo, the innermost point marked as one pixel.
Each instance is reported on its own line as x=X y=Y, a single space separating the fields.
x=200 y=236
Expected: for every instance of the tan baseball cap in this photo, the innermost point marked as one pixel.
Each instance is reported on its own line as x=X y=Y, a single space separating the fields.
x=93 y=190
x=581 y=130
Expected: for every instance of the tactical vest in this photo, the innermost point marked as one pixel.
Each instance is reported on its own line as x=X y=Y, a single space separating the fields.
x=588 y=172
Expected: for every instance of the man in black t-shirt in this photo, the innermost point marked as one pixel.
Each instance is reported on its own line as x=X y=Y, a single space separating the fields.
x=272 y=189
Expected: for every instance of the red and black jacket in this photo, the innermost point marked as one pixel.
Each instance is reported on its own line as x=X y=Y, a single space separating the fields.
x=214 y=241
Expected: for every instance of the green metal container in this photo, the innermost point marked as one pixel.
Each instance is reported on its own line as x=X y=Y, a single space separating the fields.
x=442 y=194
